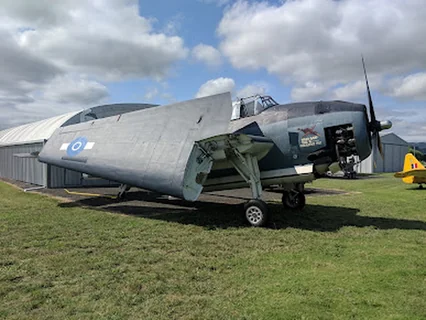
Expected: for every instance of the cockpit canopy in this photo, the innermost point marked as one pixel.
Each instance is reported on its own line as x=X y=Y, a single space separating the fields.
x=250 y=106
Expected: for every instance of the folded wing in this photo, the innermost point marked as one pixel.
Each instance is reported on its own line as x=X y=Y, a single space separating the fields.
x=168 y=149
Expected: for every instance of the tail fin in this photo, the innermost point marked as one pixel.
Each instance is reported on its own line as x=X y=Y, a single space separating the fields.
x=411 y=163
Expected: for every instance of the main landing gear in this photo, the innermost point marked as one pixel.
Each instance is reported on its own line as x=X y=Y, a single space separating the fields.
x=256 y=210
x=122 y=191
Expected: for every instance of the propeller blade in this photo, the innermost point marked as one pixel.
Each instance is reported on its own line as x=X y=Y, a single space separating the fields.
x=370 y=101
x=380 y=146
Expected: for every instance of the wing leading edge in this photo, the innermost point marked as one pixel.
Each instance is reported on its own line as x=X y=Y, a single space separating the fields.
x=419 y=173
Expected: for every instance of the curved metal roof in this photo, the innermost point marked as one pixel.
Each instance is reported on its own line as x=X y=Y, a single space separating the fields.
x=36 y=131
x=42 y=130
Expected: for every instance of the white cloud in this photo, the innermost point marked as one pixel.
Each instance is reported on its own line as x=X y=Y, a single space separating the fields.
x=357 y=90
x=411 y=87
x=63 y=94
x=252 y=89
x=21 y=71
x=350 y=91
x=108 y=40
x=55 y=54
x=409 y=128
x=173 y=26
x=216 y=86
x=151 y=93
x=309 y=91
x=321 y=40
x=79 y=91
x=207 y=54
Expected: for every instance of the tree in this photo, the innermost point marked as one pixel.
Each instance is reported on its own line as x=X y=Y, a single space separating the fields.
x=418 y=154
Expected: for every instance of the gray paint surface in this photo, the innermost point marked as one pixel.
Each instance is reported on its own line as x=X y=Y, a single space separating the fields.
x=148 y=148
x=30 y=170
x=105 y=111
x=159 y=148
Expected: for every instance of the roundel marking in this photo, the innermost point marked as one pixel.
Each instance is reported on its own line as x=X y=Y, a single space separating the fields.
x=76 y=146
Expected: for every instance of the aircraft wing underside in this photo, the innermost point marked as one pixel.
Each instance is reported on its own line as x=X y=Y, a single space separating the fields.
x=228 y=150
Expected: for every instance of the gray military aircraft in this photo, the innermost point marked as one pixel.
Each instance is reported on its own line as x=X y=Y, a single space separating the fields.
x=209 y=144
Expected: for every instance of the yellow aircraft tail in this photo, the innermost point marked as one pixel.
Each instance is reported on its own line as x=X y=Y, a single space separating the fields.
x=413 y=171
x=411 y=163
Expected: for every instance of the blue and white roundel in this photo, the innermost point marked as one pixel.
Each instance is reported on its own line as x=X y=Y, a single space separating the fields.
x=76 y=146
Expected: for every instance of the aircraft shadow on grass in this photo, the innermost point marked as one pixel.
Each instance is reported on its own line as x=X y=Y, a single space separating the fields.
x=416 y=189
x=217 y=215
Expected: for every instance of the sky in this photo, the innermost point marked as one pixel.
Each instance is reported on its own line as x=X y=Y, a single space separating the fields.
x=62 y=56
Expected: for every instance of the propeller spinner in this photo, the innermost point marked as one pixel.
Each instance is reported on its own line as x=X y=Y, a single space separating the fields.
x=374 y=125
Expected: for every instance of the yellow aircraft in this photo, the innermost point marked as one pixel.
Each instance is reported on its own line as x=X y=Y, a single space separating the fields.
x=414 y=171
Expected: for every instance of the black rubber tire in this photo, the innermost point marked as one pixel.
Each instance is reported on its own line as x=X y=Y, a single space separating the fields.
x=256 y=213
x=297 y=202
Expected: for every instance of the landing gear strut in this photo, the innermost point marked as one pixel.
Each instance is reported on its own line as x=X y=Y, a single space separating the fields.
x=122 y=191
x=256 y=210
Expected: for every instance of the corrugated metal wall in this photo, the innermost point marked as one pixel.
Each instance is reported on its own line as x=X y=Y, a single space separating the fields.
x=64 y=178
x=394 y=157
x=22 y=169
x=394 y=151
x=30 y=170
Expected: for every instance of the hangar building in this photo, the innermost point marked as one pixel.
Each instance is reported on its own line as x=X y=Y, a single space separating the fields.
x=394 y=150
x=16 y=145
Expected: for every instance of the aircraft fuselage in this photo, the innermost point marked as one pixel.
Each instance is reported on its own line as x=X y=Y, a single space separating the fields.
x=309 y=137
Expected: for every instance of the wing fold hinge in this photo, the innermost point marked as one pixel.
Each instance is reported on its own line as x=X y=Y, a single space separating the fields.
x=238 y=151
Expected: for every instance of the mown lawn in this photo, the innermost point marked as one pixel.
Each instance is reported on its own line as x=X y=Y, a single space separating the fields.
x=355 y=256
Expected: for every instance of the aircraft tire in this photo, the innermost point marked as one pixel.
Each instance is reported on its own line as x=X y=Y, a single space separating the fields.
x=293 y=200
x=256 y=213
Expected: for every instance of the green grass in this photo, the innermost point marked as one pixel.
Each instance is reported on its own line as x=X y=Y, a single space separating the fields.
x=356 y=256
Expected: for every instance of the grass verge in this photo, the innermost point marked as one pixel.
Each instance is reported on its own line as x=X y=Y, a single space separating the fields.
x=359 y=255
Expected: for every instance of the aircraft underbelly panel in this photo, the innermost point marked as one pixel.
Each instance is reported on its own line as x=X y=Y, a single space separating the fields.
x=295 y=174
